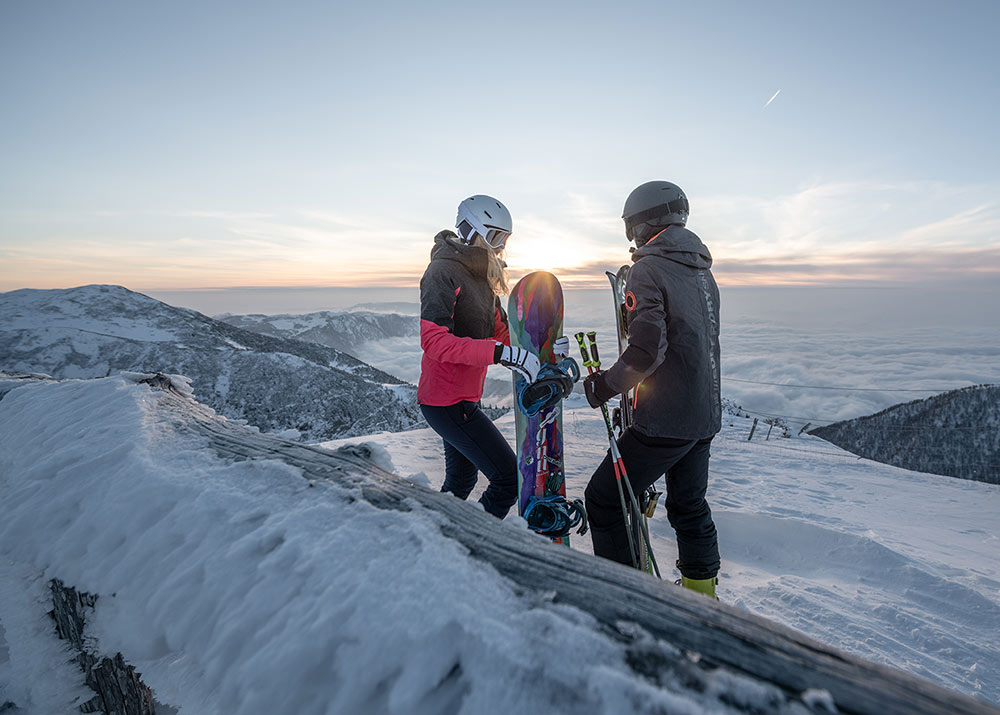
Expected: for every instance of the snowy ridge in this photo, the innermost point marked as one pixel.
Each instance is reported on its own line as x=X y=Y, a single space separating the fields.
x=345 y=331
x=273 y=383
x=402 y=307
x=256 y=575
x=955 y=433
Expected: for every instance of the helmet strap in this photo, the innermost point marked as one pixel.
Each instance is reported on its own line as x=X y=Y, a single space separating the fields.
x=466 y=232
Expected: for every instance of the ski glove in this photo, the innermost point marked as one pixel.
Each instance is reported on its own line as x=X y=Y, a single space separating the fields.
x=596 y=387
x=517 y=359
x=560 y=348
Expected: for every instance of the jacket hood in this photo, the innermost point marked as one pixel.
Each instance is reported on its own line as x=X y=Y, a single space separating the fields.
x=448 y=247
x=678 y=244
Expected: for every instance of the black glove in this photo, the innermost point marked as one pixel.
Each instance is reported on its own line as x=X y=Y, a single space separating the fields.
x=597 y=389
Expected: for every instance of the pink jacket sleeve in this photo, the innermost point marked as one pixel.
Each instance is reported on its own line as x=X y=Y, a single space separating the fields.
x=500 y=330
x=442 y=345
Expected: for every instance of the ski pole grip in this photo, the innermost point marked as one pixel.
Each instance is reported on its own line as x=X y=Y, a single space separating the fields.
x=592 y=338
x=583 y=349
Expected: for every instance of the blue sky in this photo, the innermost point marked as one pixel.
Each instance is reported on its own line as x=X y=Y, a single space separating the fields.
x=190 y=144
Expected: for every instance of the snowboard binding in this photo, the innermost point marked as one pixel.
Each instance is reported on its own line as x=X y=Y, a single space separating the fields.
x=555 y=517
x=554 y=383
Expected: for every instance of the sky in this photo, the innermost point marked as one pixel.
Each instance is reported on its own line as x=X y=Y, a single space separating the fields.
x=189 y=145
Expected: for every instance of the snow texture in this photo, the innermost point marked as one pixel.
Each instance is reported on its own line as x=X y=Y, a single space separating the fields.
x=242 y=587
x=898 y=567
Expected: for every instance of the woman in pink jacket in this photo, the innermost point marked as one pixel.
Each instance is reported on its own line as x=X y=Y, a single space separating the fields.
x=463 y=330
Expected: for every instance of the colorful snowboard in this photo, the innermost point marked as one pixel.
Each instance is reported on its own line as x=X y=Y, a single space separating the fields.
x=535 y=313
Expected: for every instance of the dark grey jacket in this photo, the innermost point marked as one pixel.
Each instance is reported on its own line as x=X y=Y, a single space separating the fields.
x=673 y=334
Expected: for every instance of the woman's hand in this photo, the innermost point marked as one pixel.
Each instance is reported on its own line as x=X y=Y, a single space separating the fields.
x=519 y=360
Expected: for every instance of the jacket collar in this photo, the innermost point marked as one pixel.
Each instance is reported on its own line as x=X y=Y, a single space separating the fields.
x=448 y=247
x=678 y=244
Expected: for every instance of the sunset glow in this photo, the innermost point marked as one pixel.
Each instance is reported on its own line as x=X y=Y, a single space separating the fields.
x=306 y=158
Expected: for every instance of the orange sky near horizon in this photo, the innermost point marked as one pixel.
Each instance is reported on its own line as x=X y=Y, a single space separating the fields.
x=875 y=267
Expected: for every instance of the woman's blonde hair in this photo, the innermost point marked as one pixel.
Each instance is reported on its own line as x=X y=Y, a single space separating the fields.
x=496 y=268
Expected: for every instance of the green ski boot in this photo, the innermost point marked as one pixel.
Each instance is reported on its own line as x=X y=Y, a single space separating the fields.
x=701 y=585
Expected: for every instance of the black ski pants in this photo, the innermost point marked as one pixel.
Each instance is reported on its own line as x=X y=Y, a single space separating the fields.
x=647 y=459
x=473 y=444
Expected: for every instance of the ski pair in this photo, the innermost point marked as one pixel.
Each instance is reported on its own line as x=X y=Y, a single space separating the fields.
x=592 y=361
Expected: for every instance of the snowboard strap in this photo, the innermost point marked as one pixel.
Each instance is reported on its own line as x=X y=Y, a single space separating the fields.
x=554 y=383
x=555 y=517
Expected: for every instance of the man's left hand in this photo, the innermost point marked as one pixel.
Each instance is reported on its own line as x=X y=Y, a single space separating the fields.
x=596 y=388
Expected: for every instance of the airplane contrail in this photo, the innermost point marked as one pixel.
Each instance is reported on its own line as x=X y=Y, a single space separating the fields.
x=771 y=99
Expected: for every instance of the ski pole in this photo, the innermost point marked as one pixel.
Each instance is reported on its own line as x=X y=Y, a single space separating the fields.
x=619 y=465
x=643 y=529
x=592 y=339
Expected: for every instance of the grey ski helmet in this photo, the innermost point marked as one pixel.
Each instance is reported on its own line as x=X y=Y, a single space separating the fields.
x=658 y=203
x=483 y=215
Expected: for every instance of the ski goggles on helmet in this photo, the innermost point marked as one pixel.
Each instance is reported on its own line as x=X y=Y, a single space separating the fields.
x=496 y=238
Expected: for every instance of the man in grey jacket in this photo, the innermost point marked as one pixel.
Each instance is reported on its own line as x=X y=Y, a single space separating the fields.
x=672 y=318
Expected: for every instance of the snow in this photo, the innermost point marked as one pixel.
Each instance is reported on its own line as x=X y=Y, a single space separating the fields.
x=74 y=318
x=242 y=587
x=899 y=567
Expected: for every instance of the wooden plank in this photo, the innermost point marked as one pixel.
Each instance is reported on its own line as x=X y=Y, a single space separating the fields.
x=119 y=688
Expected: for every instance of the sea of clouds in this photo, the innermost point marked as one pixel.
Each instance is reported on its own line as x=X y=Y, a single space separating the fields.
x=808 y=354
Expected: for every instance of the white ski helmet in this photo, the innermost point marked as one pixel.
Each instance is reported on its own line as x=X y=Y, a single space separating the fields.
x=483 y=215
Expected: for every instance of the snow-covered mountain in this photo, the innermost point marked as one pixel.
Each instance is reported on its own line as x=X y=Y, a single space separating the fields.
x=955 y=433
x=396 y=306
x=274 y=383
x=377 y=334
x=342 y=331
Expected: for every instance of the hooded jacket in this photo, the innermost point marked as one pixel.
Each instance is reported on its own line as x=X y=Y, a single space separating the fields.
x=673 y=335
x=461 y=321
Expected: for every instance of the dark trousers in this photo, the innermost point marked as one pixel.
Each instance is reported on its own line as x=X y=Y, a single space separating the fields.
x=472 y=444
x=647 y=459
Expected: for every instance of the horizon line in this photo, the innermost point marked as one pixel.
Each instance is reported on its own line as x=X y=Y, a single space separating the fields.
x=570 y=284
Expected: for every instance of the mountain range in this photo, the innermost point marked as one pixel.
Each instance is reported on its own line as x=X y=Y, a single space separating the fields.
x=956 y=433
x=339 y=330
x=274 y=383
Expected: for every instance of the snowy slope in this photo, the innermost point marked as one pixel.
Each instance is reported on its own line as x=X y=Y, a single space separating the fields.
x=241 y=587
x=275 y=384
x=899 y=567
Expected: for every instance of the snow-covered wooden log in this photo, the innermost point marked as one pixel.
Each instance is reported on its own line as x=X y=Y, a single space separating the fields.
x=670 y=633
x=117 y=685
